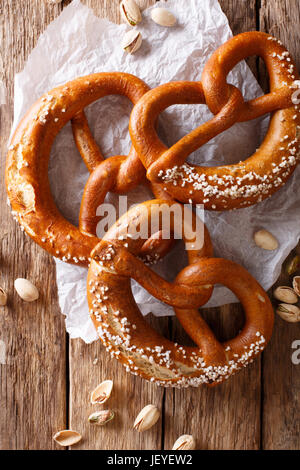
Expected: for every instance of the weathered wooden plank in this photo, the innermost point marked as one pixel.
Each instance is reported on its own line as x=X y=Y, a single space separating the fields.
x=130 y=394
x=281 y=378
x=227 y=416
x=33 y=380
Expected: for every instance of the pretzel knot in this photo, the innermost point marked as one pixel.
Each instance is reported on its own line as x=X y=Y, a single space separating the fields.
x=227 y=186
x=128 y=337
x=27 y=167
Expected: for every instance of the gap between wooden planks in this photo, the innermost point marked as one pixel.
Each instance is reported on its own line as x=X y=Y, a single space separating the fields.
x=248 y=412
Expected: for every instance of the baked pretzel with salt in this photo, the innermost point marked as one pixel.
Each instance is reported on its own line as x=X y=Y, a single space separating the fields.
x=228 y=186
x=118 y=174
x=27 y=180
x=129 y=338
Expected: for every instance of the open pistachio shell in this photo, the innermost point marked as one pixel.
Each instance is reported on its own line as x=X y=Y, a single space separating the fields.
x=132 y=41
x=130 y=12
x=184 y=442
x=289 y=313
x=67 y=437
x=286 y=294
x=146 y=418
x=102 y=392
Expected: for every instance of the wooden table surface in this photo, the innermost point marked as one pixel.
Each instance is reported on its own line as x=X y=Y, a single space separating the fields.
x=47 y=378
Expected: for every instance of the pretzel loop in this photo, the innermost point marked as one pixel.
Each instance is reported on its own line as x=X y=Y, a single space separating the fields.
x=214 y=77
x=233 y=186
x=118 y=174
x=27 y=164
x=144 y=352
x=176 y=93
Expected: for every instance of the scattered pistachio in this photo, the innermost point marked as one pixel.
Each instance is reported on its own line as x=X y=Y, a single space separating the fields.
x=184 y=442
x=101 y=417
x=67 y=437
x=146 y=418
x=102 y=392
x=132 y=41
x=3 y=297
x=26 y=290
x=286 y=294
x=293 y=265
x=296 y=285
x=290 y=313
x=265 y=240
x=163 y=17
x=130 y=12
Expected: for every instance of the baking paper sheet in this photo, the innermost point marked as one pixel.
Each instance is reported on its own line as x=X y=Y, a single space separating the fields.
x=78 y=43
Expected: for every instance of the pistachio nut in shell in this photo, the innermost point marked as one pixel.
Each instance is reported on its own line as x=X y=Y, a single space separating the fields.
x=26 y=290
x=163 y=17
x=184 y=442
x=130 y=12
x=146 y=418
x=265 y=240
x=293 y=265
x=286 y=294
x=289 y=313
x=296 y=285
x=132 y=41
x=102 y=392
x=67 y=437
x=102 y=417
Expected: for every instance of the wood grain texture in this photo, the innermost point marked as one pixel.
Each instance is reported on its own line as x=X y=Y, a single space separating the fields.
x=223 y=417
x=281 y=378
x=33 y=380
x=42 y=392
x=130 y=394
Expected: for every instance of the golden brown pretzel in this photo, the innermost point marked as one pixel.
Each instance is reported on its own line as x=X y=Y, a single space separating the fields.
x=118 y=174
x=228 y=186
x=27 y=163
x=128 y=337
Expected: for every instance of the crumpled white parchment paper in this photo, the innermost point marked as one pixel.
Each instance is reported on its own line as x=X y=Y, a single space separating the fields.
x=78 y=43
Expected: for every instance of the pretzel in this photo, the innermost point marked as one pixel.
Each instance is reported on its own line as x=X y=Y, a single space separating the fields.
x=228 y=186
x=118 y=174
x=127 y=336
x=27 y=164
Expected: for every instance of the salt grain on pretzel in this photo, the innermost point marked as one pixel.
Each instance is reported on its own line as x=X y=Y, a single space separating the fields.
x=228 y=186
x=129 y=338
